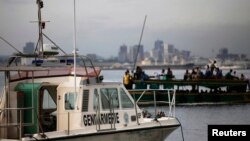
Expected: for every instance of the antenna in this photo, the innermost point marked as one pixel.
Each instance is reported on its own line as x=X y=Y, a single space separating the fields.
x=138 y=49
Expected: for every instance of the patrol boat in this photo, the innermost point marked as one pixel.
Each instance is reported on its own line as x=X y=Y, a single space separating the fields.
x=49 y=103
x=45 y=97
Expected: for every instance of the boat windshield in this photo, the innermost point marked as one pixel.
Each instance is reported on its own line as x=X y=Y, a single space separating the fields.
x=125 y=101
x=109 y=98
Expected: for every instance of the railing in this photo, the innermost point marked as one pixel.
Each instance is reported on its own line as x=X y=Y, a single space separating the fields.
x=170 y=101
x=2 y=101
x=18 y=122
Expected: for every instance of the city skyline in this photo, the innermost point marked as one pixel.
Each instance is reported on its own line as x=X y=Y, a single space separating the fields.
x=202 y=27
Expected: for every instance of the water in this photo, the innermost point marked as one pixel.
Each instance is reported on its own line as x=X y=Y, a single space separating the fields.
x=194 y=119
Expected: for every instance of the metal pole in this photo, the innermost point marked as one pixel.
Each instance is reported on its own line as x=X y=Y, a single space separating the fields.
x=20 y=124
x=155 y=103
x=136 y=113
x=74 y=45
x=68 y=123
x=40 y=27
x=7 y=96
x=32 y=98
x=169 y=103
x=99 y=112
x=138 y=49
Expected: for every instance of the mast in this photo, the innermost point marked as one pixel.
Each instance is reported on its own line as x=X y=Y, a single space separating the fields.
x=138 y=49
x=41 y=25
x=74 y=45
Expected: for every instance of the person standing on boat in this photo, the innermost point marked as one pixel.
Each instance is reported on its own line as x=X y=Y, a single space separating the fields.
x=170 y=74
x=127 y=80
x=186 y=75
x=199 y=73
x=163 y=75
x=219 y=74
x=235 y=76
x=193 y=74
x=208 y=73
x=229 y=74
x=244 y=78
x=213 y=66
x=138 y=73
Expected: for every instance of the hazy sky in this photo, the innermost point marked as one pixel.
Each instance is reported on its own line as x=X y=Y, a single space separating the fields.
x=202 y=26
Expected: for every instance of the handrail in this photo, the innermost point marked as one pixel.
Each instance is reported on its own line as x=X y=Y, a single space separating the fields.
x=171 y=101
x=21 y=113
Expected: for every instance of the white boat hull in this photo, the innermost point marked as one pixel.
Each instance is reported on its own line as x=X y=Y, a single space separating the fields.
x=150 y=134
x=144 y=135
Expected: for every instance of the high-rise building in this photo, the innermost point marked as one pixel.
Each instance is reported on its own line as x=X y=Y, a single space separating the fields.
x=123 y=54
x=136 y=51
x=171 y=48
x=185 y=54
x=29 y=48
x=158 y=50
x=223 y=53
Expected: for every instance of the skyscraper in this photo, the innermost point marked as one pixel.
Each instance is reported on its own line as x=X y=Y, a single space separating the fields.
x=29 y=48
x=133 y=51
x=158 y=51
x=123 y=54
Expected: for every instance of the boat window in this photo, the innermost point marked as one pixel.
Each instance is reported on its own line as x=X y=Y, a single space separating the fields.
x=85 y=101
x=48 y=102
x=69 y=99
x=125 y=100
x=95 y=100
x=109 y=98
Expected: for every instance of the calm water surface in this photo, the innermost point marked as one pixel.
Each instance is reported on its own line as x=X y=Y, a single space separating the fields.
x=194 y=119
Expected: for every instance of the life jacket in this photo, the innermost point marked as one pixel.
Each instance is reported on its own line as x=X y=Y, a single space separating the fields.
x=126 y=79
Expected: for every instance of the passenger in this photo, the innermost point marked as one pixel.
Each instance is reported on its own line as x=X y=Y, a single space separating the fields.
x=199 y=74
x=144 y=76
x=242 y=77
x=127 y=80
x=186 y=75
x=170 y=74
x=138 y=73
x=163 y=75
x=219 y=74
x=163 y=72
x=235 y=76
x=208 y=73
x=131 y=80
x=213 y=66
x=193 y=74
x=229 y=74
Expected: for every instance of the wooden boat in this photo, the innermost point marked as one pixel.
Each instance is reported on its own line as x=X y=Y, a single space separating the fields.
x=202 y=91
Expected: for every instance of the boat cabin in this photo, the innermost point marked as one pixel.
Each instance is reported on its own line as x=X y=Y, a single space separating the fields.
x=50 y=106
